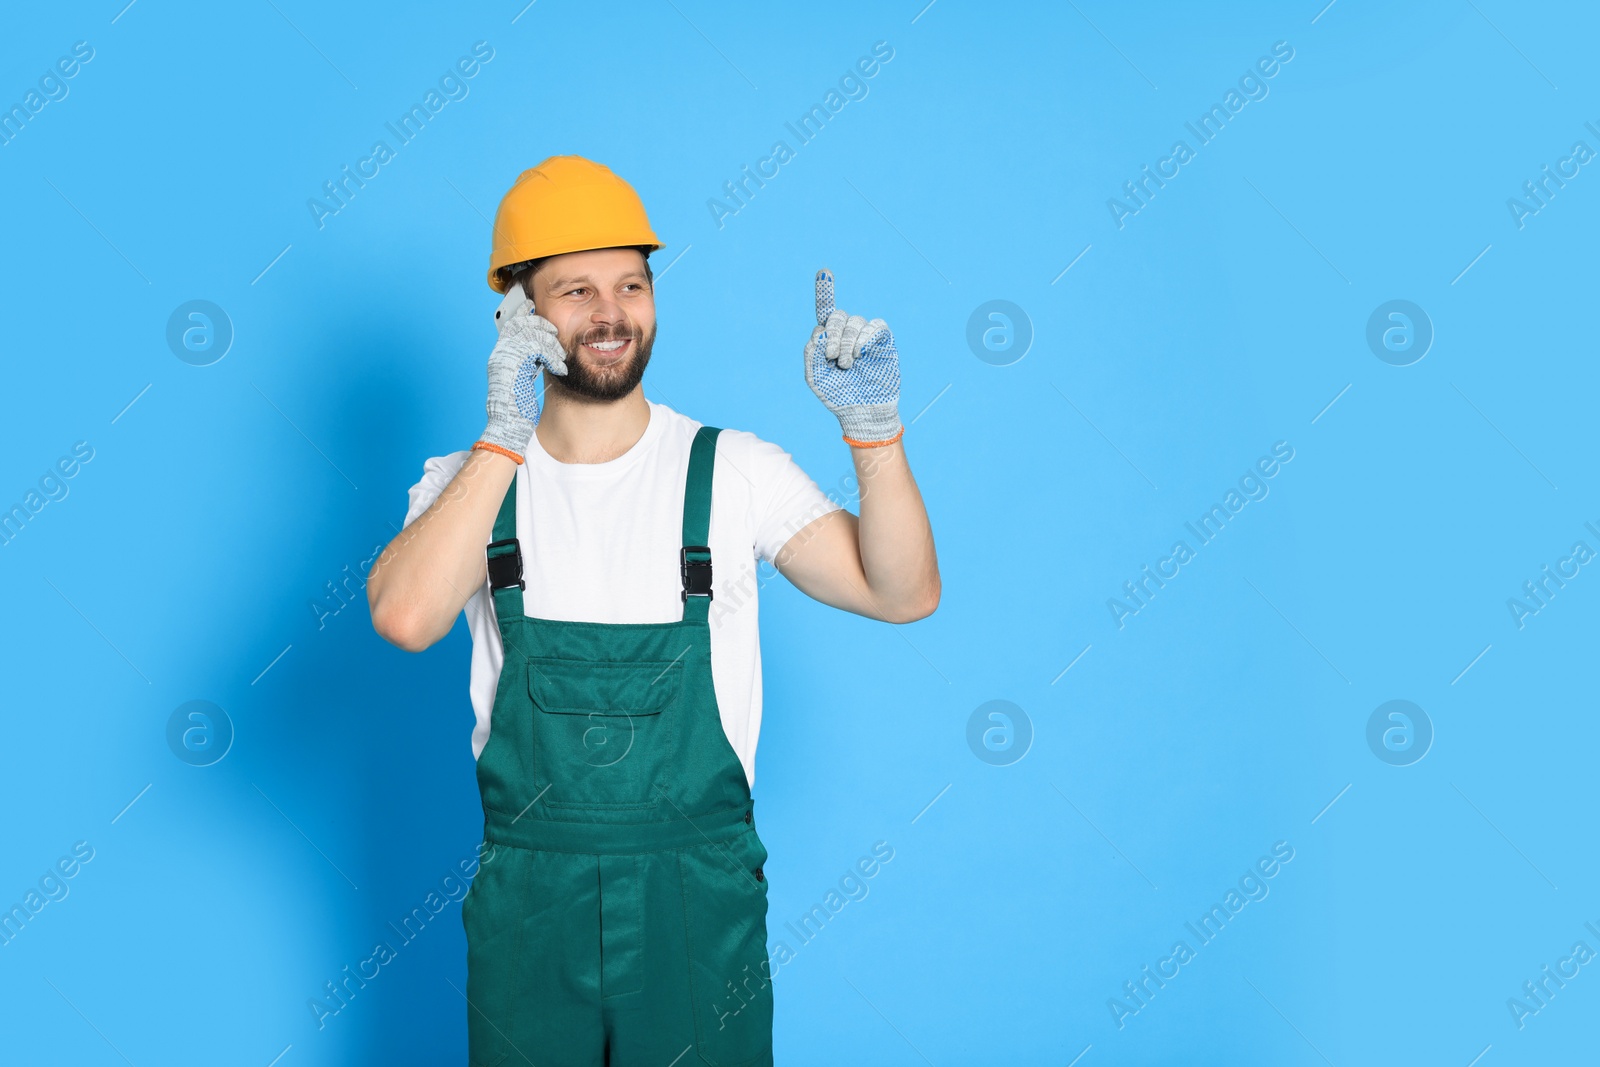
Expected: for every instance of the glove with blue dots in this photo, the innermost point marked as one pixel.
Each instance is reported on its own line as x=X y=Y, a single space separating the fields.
x=852 y=366
x=527 y=342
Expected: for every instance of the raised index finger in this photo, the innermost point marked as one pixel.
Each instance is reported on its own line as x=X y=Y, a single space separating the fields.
x=824 y=296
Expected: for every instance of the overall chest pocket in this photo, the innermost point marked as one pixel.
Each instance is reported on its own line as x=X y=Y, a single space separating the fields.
x=604 y=734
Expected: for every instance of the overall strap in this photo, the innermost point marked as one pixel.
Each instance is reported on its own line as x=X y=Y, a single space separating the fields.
x=505 y=560
x=694 y=558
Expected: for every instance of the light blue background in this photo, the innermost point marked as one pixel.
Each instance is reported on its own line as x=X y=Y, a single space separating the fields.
x=1224 y=317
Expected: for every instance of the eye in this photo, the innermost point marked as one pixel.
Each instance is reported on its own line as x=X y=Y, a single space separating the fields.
x=578 y=290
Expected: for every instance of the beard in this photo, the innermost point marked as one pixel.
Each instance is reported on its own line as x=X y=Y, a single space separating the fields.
x=603 y=383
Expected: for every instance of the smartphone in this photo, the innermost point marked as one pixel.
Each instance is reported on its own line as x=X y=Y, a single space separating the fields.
x=514 y=298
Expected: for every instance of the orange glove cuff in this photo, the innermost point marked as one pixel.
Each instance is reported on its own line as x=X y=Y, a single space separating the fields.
x=486 y=446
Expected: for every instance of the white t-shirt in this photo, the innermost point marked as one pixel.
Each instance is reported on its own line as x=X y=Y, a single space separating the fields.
x=600 y=544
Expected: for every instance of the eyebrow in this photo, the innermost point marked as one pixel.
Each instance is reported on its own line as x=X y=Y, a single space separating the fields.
x=562 y=282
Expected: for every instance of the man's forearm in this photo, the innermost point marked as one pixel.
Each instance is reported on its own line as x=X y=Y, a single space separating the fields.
x=427 y=573
x=897 y=554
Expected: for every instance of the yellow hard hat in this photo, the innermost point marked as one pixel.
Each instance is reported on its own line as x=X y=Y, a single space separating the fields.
x=566 y=204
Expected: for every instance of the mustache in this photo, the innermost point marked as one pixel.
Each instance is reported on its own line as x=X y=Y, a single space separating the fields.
x=620 y=333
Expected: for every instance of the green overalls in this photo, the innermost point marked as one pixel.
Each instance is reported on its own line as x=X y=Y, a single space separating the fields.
x=619 y=915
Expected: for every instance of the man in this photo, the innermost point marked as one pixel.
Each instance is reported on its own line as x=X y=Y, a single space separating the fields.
x=622 y=917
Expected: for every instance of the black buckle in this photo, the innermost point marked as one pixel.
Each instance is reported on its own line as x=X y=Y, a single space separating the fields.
x=696 y=572
x=505 y=568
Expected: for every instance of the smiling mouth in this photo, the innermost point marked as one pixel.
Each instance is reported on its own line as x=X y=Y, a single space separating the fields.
x=607 y=350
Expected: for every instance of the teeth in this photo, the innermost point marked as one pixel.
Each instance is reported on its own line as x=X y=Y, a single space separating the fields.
x=607 y=346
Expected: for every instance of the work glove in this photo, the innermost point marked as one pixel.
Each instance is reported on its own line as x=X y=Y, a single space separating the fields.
x=527 y=342
x=852 y=366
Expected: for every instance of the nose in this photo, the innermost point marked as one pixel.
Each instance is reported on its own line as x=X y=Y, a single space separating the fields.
x=607 y=320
